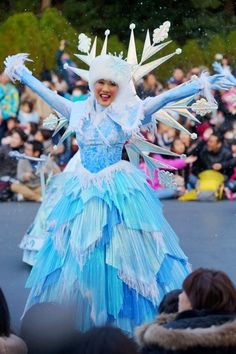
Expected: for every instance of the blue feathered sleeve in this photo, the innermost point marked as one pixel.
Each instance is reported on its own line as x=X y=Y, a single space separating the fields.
x=16 y=70
x=154 y=104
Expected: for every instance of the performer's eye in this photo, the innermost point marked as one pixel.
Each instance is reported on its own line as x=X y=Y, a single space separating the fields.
x=101 y=82
x=113 y=83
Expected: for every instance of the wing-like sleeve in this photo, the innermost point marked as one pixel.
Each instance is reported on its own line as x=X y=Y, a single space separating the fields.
x=154 y=104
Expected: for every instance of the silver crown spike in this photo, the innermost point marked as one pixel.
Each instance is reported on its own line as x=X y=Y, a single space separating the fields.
x=146 y=68
x=104 y=47
x=150 y=51
x=93 y=50
x=80 y=72
x=147 y=44
x=84 y=58
x=132 y=53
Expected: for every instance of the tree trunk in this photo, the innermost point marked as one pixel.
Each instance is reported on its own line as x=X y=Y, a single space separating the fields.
x=45 y=4
x=229 y=7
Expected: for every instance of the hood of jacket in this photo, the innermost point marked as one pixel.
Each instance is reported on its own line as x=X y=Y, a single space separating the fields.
x=188 y=332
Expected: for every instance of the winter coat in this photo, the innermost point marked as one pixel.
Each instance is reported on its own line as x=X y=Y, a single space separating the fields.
x=191 y=332
x=12 y=345
x=25 y=166
x=8 y=165
x=206 y=159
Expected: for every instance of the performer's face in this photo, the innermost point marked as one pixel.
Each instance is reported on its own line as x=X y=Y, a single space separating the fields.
x=105 y=92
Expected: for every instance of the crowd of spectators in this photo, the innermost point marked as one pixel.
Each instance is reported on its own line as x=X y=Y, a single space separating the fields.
x=209 y=170
x=22 y=114
x=199 y=318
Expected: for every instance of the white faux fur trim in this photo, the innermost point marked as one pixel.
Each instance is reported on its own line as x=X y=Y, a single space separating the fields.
x=181 y=339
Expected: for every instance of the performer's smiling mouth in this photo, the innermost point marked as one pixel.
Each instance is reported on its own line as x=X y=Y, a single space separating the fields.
x=105 y=97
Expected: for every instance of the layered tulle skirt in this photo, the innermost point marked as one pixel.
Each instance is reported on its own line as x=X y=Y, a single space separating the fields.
x=109 y=251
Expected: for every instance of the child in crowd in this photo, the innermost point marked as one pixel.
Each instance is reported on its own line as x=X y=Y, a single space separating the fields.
x=27 y=113
x=16 y=142
x=11 y=123
x=44 y=136
x=28 y=187
x=30 y=130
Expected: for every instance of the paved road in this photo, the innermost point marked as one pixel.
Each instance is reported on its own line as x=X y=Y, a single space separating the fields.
x=207 y=233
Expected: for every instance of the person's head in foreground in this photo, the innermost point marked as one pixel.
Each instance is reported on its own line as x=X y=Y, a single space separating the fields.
x=105 y=340
x=4 y=316
x=206 y=289
x=170 y=302
x=48 y=328
x=205 y=324
x=9 y=343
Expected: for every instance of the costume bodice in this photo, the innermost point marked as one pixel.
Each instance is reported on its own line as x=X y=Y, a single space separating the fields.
x=100 y=143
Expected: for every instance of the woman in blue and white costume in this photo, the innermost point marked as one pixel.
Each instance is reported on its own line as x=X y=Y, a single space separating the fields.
x=109 y=251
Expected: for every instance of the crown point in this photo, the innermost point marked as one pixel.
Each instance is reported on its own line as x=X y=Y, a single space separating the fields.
x=132 y=26
x=66 y=66
x=183 y=156
x=55 y=147
x=194 y=136
x=178 y=51
x=107 y=32
x=167 y=23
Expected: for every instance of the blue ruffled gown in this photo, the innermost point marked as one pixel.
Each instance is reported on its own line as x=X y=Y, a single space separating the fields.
x=109 y=250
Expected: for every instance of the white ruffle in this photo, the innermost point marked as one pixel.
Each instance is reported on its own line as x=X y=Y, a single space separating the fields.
x=86 y=178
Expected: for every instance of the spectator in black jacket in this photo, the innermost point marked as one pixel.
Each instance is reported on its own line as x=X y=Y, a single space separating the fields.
x=211 y=153
x=206 y=322
x=8 y=166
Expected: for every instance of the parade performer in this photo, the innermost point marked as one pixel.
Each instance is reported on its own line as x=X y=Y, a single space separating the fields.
x=109 y=251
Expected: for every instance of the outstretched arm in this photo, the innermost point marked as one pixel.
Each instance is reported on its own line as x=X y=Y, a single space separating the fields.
x=16 y=70
x=153 y=104
x=220 y=70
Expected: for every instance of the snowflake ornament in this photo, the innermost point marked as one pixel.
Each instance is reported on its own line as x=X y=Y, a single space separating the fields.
x=161 y=33
x=50 y=122
x=203 y=107
x=167 y=179
x=84 y=43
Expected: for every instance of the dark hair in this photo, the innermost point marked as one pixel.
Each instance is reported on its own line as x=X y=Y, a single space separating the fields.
x=37 y=146
x=21 y=133
x=4 y=316
x=29 y=103
x=218 y=136
x=33 y=128
x=233 y=142
x=48 y=328
x=107 y=339
x=170 y=302
x=83 y=88
x=174 y=141
x=210 y=290
x=152 y=73
x=14 y=119
x=46 y=133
